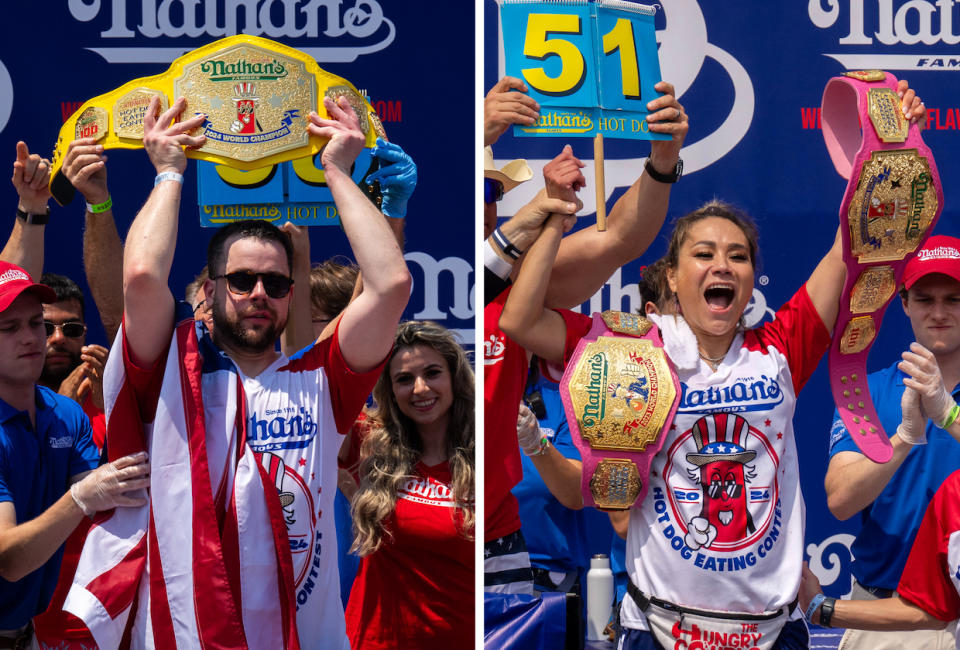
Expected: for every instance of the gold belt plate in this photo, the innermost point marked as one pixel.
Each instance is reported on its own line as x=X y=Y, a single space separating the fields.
x=866 y=75
x=615 y=483
x=873 y=288
x=893 y=206
x=858 y=335
x=256 y=100
x=883 y=106
x=621 y=391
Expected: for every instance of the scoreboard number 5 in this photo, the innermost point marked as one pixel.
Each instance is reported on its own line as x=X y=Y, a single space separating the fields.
x=538 y=45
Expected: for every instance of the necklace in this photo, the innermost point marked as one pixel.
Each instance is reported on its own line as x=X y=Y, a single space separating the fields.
x=712 y=362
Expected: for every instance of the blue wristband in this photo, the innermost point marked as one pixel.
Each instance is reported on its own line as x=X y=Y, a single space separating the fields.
x=812 y=607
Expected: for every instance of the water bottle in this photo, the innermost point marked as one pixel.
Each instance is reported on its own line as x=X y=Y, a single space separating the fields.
x=599 y=596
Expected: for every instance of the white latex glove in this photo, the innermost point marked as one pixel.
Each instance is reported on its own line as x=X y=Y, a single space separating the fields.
x=925 y=378
x=913 y=426
x=108 y=486
x=700 y=533
x=528 y=431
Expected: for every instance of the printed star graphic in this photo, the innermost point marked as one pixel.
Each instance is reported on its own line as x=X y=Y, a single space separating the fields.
x=894 y=184
x=722 y=449
x=303 y=461
x=767 y=422
x=779 y=435
x=486 y=552
x=312 y=476
x=673 y=427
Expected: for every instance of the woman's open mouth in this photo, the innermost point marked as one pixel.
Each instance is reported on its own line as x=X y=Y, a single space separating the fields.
x=719 y=296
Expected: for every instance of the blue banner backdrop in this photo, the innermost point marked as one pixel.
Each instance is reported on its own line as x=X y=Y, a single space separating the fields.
x=750 y=75
x=56 y=55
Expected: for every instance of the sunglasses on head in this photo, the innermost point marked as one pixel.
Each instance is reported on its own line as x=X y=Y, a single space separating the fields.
x=70 y=330
x=275 y=285
x=492 y=190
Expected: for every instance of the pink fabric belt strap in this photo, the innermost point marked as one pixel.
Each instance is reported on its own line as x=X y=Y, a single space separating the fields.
x=892 y=202
x=620 y=392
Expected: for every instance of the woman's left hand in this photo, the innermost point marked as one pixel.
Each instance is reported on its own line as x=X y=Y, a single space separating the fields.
x=913 y=109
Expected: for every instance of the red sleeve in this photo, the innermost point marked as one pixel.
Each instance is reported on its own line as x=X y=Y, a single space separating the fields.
x=145 y=382
x=357 y=434
x=926 y=580
x=797 y=332
x=98 y=422
x=577 y=327
x=348 y=389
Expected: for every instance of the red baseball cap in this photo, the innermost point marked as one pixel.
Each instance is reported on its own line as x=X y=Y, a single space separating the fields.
x=941 y=254
x=14 y=281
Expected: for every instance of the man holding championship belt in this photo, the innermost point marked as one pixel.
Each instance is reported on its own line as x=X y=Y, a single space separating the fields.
x=213 y=558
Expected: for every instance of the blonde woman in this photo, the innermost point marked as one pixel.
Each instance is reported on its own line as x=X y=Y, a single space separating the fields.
x=413 y=514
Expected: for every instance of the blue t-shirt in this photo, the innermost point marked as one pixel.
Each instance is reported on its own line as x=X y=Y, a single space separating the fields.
x=35 y=470
x=558 y=538
x=890 y=523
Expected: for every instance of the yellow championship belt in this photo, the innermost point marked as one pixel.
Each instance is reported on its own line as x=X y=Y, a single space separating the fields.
x=256 y=94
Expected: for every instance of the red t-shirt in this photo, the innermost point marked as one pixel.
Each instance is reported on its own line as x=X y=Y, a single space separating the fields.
x=505 y=375
x=417 y=589
x=931 y=576
x=98 y=422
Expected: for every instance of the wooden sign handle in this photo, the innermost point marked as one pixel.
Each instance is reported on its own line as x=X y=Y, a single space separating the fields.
x=598 y=181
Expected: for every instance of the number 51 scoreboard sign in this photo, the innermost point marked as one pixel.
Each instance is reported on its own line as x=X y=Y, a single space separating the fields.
x=590 y=65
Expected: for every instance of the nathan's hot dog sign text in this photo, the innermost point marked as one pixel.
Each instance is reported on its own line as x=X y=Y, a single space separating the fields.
x=591 y=66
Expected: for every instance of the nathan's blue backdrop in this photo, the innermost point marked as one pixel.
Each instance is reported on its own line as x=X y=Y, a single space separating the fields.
x=417 y=72
x=750 y=74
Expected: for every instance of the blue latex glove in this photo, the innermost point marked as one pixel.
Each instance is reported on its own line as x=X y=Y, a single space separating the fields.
x=397 y=176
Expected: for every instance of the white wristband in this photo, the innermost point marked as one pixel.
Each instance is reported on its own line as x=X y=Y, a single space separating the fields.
x=494 y=262
x=168 y=176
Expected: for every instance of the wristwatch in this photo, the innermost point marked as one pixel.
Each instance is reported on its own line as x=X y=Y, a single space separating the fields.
x=672 y=177
x=826 y=611
x=34 y=219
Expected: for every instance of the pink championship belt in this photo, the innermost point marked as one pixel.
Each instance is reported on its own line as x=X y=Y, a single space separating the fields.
x=892 y=202
x=619 y=392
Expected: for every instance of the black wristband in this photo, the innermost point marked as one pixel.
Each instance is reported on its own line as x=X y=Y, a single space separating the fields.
x=33 y=219
x=672 y=177
x=826 y=611
x=506 y=245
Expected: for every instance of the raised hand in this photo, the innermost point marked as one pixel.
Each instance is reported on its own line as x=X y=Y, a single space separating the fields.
x=925 y=378
x=165 y=139
x=666 y=116
x=31 y=178
x=343 y=130
x=397 y=177
x=85 y=166
x=504 y=106
x=563 y=178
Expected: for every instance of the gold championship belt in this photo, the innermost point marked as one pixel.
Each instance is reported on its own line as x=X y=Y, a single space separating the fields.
x=619 y=393
x=892 y=201
x=256 y=94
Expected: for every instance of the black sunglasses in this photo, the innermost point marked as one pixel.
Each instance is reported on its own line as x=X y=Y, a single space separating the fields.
x=70 y=330
x=275 y=285
x=492 y=190
x=732 y=489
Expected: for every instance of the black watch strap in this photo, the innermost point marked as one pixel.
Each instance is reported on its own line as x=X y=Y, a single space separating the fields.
x=33 y=219
x=672 y=177
x=826 y=611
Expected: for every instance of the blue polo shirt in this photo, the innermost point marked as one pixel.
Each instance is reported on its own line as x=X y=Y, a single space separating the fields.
x=35 y=470
x=889 y=525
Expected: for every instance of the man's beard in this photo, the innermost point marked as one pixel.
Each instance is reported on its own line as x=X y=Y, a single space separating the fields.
x=231 y=334
x=53 y=377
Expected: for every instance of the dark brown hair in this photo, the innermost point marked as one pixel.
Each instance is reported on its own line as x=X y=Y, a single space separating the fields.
x=715 y=208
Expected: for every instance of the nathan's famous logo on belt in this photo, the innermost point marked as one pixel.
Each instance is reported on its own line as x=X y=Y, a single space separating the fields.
x=895 y=207
x=330 y=31
x=621 y=390
x=255 y=101
x=885 y=25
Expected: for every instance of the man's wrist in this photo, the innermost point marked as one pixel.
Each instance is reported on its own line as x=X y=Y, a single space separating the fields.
x=520 y=237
